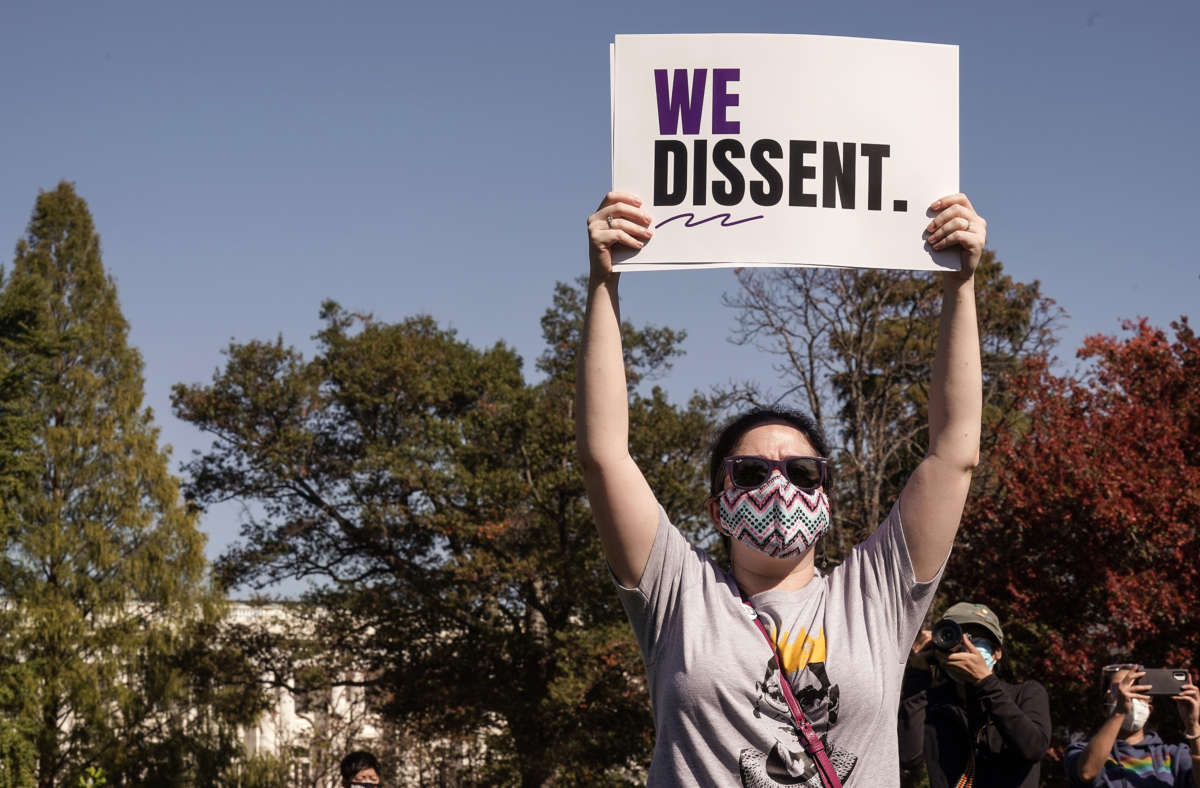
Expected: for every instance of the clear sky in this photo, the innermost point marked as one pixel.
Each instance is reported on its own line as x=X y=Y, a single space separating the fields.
x=244 y=161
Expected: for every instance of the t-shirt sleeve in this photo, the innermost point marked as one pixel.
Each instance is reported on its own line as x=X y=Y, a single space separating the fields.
x=673 y=567
x=883 y=572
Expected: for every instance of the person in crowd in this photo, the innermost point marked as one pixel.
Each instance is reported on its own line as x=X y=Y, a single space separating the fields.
x=1123 y=754
x=969 y=726
x=360 y=769
x=715 y=639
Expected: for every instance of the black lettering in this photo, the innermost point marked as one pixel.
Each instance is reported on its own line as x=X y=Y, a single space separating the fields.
x=773 y=191
x=837 y=172
x=723 y=151
x=700 y=172
x=676 y=151
x=875 y=155
x=798 y=173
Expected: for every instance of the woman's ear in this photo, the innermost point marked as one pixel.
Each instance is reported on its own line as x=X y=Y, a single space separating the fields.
x=714 y=511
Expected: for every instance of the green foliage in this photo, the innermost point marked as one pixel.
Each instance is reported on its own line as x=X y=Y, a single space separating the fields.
x=18 y=759
x=434 y=494
x=258 y=771
x=23 y=353
x=106 y=605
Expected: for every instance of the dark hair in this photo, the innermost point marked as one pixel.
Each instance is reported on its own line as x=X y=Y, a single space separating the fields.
x=732 y=432
x=356 y=761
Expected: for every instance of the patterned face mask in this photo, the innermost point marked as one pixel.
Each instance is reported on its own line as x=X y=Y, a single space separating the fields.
x=777 y=518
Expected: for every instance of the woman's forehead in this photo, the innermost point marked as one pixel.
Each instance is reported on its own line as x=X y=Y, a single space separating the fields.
x=774 y=439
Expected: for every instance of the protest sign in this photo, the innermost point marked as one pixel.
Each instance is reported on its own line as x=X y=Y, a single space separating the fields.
x=753 y=150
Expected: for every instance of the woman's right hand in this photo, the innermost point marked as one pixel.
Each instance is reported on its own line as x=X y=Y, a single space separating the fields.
x=619 y=220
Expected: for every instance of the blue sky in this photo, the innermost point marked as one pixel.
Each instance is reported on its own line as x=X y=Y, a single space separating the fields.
x=244 y=161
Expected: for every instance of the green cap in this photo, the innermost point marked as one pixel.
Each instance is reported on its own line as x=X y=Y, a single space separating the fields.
x=964 y=613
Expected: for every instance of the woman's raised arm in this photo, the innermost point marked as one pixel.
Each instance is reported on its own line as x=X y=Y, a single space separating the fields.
x=931 y=504
x=623 y=505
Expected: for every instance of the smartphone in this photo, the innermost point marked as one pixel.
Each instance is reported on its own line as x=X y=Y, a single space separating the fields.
x=1164 y=681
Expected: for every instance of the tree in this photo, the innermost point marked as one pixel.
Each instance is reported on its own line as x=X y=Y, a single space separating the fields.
x=434 y=495
x=102 y=573
x=857 y=347
x=22 y=354
x=18 y=319
x=1088 y=542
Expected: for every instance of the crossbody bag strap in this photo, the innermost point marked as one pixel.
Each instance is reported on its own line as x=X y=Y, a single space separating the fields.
x=968 y=777
x=808 y=737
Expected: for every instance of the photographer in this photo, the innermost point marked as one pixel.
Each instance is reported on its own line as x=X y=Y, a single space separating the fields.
x=970 y=727
x=1123 y=753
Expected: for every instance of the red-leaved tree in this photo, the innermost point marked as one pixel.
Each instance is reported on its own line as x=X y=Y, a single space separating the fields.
x=1083 y=529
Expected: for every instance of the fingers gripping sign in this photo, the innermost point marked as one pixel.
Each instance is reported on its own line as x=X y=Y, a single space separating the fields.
x=955 y=223
x=619 y=220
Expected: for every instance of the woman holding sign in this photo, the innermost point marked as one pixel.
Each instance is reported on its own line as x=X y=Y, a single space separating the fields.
x=716 y=643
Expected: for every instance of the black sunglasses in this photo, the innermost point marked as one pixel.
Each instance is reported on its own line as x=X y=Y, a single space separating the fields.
x=747 y=472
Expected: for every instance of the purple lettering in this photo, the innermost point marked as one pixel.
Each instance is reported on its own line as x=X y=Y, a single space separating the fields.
x=723 y=100
x=675 y=104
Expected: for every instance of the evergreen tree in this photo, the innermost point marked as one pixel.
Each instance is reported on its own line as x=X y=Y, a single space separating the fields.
x=18 y=319
x=102 y=572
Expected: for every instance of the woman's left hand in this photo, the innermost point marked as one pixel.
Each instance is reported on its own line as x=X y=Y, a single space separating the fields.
x=957 y=224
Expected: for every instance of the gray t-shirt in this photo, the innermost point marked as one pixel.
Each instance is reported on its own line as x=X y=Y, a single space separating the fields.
x=719 y=716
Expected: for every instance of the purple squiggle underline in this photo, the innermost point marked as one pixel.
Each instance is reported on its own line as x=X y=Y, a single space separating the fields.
x=722 y=216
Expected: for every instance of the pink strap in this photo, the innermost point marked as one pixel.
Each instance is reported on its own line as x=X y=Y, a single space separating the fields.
x=812 y=742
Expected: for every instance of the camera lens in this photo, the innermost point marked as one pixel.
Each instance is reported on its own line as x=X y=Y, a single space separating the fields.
x=947 y=635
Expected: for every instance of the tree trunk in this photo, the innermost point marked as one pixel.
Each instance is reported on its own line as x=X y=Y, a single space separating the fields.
x=47 y=747
x=532 y=741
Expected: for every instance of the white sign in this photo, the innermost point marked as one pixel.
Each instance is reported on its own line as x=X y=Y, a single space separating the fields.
x=758 y=150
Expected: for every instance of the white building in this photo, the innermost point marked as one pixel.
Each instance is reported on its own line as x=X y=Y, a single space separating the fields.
x=312 y=731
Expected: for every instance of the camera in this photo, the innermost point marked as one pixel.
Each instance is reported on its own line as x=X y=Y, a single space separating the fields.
x=947 y=636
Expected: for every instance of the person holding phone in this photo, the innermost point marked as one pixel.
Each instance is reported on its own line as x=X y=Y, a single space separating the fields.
x=962 y=720
x=768 y=672
x=1123 y=754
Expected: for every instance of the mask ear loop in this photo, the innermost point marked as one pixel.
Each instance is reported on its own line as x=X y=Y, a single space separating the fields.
x=821 y=558
x=722 y=537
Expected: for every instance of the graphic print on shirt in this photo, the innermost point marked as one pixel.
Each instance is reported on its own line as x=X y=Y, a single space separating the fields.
x=1144 y=767
x=787 y=764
